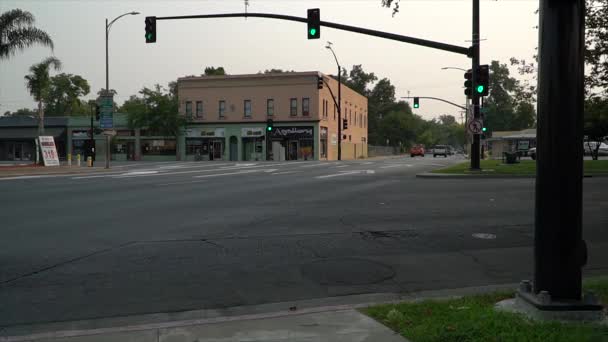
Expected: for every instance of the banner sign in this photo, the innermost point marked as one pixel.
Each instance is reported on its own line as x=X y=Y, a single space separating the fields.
x=49 y=151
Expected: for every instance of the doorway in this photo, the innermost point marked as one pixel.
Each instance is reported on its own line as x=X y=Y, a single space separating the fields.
x=292 y=150
x=234 y=148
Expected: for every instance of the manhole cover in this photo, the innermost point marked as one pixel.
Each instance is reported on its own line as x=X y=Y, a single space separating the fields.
x=347 y=271
x=484 y=236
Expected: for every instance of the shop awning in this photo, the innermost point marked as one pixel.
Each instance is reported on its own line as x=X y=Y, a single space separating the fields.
x=29 y=133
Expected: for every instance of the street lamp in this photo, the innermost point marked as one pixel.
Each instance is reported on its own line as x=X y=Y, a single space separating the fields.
x=455 y=68
x=328 y=46
x=108 y=26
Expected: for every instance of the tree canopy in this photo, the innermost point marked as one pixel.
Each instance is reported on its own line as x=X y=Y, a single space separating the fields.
x=17 y=32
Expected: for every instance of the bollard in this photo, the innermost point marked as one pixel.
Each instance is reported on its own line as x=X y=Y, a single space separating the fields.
x=78 y=159
x=70 y=160
x=90 y=161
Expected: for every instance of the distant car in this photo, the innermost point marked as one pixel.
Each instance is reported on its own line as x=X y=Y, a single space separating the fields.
x=532 y=153
x=440 y=150
x=417 y=150
x=589 y=147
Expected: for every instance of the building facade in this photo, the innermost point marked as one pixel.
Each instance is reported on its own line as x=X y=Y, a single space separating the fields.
x=227 y=118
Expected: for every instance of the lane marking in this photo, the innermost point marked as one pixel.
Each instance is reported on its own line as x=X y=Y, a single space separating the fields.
x=271 y=170
x=320 y=164
x=23 y=177
x=389 y=166
x=193 y=171
x=228 y=174
x=286 y=172
x=180 y=183
x=341 y=166
x=367 y=163
x=344 y=173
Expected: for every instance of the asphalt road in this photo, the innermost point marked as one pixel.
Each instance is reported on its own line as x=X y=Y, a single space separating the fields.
x=160 y=237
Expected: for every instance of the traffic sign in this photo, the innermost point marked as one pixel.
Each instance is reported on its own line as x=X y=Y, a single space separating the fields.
x=475 y=126
x=110 y=132
x=106 y=111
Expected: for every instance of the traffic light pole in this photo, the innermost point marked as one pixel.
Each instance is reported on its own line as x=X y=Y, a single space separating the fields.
x=475 y=147
x=435 y=98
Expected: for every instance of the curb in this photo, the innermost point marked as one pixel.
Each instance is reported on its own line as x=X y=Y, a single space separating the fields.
x=490 y=176
x=157 y=321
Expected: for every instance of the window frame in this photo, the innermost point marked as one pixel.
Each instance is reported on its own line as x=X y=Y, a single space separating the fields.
x=293 y=110
x=245 y=113
x=188 y=110
x=199 y=114
x=221 y=110
x=269 y=107
x=306 y=110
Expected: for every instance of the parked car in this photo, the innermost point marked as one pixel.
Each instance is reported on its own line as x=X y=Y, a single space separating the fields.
x=440 y=150
x=532 y=153
x=590 y=146
x=417 y=150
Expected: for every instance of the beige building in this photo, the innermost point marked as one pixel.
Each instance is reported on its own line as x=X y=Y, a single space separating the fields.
x=228 y=118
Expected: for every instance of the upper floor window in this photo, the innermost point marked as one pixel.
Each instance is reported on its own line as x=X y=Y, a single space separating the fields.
x=199 y=109
x=189 y=109
x=305 y=106
x=222 y=109
x=293 y=107
x=270 y=107
x=247 y=108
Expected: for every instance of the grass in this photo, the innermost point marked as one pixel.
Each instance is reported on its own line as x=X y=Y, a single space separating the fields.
x=474 y=319
x=525 y=167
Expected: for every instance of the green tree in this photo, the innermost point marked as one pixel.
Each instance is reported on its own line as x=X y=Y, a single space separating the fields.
x=64 y=95
x=596 y=44
x=596 y=122
x=358 y=80
x=17 y=32
x=22 y=112
x=38 y=83
x=156 y=110
x=212 y=71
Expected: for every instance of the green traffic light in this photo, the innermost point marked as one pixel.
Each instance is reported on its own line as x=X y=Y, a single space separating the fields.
x=484 y=129
x=480 y=88
x=416 y=106
x=313 y=31
x=269 y=128
x=149 y=36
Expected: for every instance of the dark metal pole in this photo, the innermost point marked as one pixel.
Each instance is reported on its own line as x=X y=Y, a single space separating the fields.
x=92 y=141
x=475 y=157
x=107 y=62
x=559 y=251
x=339 y=113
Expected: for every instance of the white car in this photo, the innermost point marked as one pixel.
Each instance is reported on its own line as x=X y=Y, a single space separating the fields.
x=440 y=150
x=589 y=147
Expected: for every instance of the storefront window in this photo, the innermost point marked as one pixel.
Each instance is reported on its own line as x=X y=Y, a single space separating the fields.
x=158 y=147
x=222 y=109
x=194 y=146
x=247 y=108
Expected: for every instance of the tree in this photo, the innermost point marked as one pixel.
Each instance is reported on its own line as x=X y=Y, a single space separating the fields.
x=156 y=110
x=38 y=82
x=212 y=71
x=275 y=71
x=596 y=43
x=22 y=112
x=596 y=123
x=64 y=95
x=17 y=32
x=447 y=120
x=358 y=80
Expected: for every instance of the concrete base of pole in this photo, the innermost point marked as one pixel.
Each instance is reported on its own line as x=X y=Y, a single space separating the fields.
x=541 y=307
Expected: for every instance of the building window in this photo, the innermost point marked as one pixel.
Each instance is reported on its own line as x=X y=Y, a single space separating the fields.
x=199 y=109
x=334 y=113
x=355 y=118
x=305 y=106
x=247 y=108
x=293 y=107
x=189 y=109
x=270 y=107
x=323 y=136
x=361 y=120
x=222 y=109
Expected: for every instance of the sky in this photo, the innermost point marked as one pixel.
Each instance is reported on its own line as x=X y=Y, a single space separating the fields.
x=243 y=46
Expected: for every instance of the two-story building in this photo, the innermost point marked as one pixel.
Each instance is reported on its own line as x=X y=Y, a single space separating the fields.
x=228 y=118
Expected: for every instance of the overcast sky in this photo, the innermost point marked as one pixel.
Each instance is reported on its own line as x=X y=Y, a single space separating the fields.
x=185 y=47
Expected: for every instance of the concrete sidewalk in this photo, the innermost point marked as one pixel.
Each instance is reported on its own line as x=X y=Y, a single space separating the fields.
x=339 y=325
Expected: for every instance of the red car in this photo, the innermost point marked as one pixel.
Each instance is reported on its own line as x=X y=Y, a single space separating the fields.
x=417 y=150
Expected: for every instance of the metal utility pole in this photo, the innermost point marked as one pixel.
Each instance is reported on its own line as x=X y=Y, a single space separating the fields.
x=339 y=101
x=559 y=249
x=475 y=146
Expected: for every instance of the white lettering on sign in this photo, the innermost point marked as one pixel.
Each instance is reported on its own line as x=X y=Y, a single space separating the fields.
x=252 y=132
x=49 y=151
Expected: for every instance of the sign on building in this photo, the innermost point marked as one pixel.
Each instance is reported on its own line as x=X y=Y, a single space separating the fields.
x=252 y=132
x=49 y=151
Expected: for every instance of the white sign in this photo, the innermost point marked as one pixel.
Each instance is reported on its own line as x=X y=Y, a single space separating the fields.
x=49 y=151
x=205 y=132
x=109 y=132
x=252 y=132
x=475 y=126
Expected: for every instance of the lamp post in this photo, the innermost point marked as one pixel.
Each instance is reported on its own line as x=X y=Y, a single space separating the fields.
x=339 y=100
x=108 y=26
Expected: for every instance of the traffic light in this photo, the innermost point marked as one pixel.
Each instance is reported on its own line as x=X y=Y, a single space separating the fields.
x=314 y=23
x=345 y=124
x=319 y=82
x=485 y=129
x=468 y=84
x=416 y=102
x=483 y=82
x=97 y=112
x=269 y=125
x=150 y=29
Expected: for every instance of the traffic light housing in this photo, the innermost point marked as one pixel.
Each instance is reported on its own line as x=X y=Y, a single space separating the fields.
x=314 y=23
x=483 y=83
x=150 y=29
x=416 y=102
x=269 y=125
x=468 y=84
x=319 y=82
x=345 y=124
x=97 y=112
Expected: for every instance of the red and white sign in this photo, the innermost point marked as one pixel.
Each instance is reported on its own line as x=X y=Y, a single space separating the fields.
x=49 y=151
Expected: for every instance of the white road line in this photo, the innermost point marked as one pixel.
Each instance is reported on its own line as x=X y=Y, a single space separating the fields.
x=389 y=166
x=227 y=174
x=271 y=170
x=190 y=171
x=367 y=163
x=345 y=173
x=340 y=166
x=285 y=172
x=320 y=164
x=180 y=183
x=22 y=177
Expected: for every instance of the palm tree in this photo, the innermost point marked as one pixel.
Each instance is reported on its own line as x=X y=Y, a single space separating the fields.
x=38 y=82
x=17 y=32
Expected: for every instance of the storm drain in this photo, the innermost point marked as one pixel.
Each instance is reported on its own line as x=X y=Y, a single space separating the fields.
x=347 y=271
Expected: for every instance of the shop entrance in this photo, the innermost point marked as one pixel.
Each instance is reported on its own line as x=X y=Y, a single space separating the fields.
x=292 y=150
x=234 y=148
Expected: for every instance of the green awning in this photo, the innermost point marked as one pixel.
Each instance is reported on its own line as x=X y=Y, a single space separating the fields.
x=29 y=133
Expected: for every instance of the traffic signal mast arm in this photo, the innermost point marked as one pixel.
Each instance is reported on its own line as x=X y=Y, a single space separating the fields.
x=416 y=41
x=434 y=98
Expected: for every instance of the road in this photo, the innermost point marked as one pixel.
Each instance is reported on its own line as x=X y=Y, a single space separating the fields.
x=160 y=237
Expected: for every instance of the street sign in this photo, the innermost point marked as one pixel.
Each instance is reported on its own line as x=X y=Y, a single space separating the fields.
x=49 y=151
x=475 y=126
x=106 y=111
x=110 y=132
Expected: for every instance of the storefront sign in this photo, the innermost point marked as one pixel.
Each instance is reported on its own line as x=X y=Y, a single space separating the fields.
x=205 y=132
x=106 y=111
x=49 y=151
x=80 y=135
x=523 y=144
x=252 y=132
x=292 y=132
